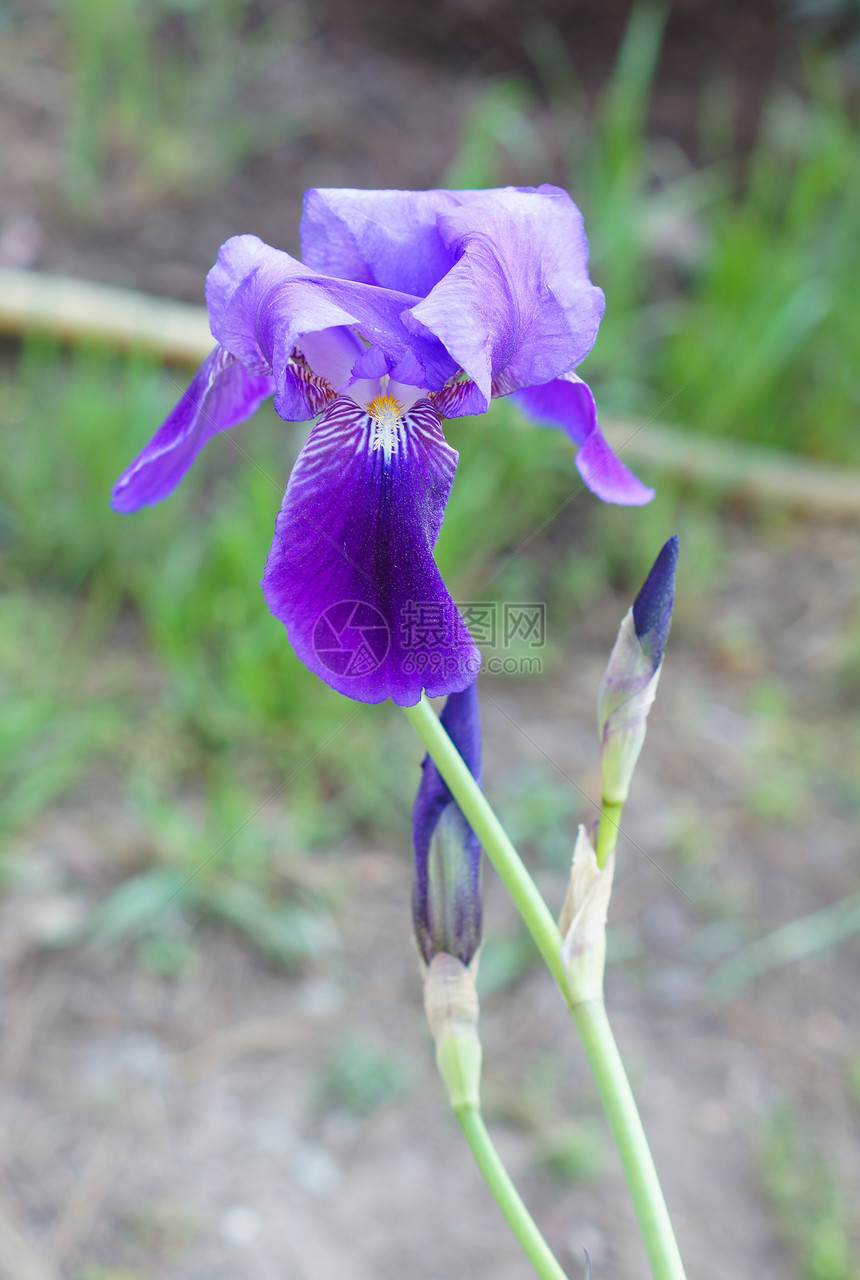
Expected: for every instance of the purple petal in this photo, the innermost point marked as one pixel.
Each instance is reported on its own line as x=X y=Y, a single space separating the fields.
x=568 y=403
x=652 y=608
x=221 y=394
x=303 y=394
x=460 y=398
x=262 y=303
x=351 y=572
x=386 y=238
x=332 y=353
x=462 y=920
x=372 y=363
x=518 y=300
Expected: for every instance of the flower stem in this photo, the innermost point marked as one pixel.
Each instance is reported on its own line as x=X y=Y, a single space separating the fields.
x=507 y=1197
x=589 y=1016
x=626 y=1125
x=492 y=835
x=607 y=830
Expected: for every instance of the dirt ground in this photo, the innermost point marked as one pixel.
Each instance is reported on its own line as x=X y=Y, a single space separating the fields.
x=177 y=1129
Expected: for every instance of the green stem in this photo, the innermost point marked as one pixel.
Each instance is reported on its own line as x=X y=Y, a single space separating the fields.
x=492 y=835
x=589 y=1016
x=607 y=830
x=626 y=1125
x=507 y=1197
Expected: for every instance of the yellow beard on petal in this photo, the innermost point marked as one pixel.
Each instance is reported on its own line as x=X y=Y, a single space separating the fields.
x=387 y=415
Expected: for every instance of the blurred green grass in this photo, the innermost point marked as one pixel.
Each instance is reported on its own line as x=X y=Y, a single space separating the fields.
x=731 y=286
x=808 y=1195
x=138 y=649
x=164 y=89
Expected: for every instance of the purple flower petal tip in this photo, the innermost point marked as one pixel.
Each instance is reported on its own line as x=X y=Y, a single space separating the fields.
x=222 y=393
x=569 y=403
x=652 y=608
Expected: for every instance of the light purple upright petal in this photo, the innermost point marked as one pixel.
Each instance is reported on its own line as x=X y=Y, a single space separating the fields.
x=351 y=572
x=262 y=303
x=221 y=393
x=568 y=403
x=518 y=301
x=386 y=238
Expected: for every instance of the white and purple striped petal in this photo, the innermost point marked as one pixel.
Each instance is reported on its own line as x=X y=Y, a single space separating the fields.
x=567 y=402
x=221 y=394
x=351 y=572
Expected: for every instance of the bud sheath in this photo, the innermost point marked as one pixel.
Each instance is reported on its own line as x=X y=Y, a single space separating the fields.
x=451 y=1005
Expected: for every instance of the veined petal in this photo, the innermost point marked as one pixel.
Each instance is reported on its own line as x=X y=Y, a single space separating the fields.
x=386 y=238
x=351 y=572
x=568 y=403
x=460 y=398
x=518 y=300
x=302 y=393
x=262 y=303
x=221 y=394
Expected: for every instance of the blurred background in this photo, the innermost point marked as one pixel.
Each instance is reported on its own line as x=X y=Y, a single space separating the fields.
x=213 y=1058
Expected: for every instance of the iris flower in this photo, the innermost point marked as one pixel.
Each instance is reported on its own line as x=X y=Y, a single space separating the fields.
x=409 y=308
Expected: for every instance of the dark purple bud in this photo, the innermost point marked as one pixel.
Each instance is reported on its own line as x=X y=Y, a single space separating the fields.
x=630 y=681
x=446 y=898
x=652 y=608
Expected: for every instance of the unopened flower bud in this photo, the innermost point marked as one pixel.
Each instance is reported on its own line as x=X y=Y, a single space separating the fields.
x=630 y=680
x=446 y=898
x=451 y=1005
x=583 y=921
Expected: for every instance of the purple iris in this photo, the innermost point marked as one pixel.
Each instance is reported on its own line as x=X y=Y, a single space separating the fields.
x=409 y=307
x=446 y=897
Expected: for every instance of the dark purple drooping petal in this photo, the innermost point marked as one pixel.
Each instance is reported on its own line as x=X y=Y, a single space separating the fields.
x=518 y=300
x=351 y=572
x=568 y=403
x=652 y=608
x=221 y=394
x=446 y=898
